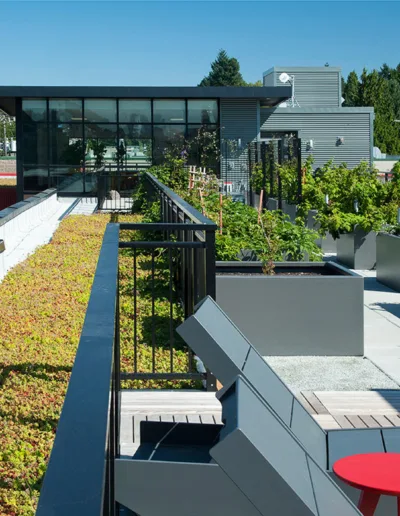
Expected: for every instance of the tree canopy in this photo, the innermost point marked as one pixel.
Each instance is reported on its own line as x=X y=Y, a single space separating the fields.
x=225 y=71
x=380 y=89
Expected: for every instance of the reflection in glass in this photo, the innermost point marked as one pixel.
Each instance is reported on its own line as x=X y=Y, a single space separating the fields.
x=202 y=111
x=169 y=111
x=101 y=110
x=167 y=137
x=66 y=144
x=135 y=111
x=65 y=110
x=34 y=110
x=136 y=141
x=101 y=145
x=35 y=145
x=204 y=146
x=67 y=179
x=35 y=178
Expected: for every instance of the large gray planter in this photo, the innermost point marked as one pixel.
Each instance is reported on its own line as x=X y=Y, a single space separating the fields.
x=293 y=315
x=357 y=250
x=388 y=260
x=326 y=243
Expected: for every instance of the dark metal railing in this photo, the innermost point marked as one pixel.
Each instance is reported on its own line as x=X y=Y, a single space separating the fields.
x=115 y=186
x=181 y=258
x=80 y=474
x=268 y=156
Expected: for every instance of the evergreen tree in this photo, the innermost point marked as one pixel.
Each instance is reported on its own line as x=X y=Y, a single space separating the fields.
x=225 y=71
x=352 y=90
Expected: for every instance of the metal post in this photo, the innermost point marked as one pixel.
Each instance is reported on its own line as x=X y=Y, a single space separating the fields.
x=210 y=272
x=281 y=160
x=264 y=173
x=299 y=173
x=271 y=155
x=5 y=136
x=250 y=174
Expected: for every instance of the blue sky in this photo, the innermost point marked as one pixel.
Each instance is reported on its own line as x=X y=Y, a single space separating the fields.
x=173 y=43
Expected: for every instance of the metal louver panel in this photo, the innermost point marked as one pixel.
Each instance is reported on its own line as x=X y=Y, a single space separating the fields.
x=238 y=128
x=324 y=128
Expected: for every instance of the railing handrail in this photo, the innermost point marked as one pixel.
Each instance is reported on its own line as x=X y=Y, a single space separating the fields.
x=193 y=214
x=76 y=475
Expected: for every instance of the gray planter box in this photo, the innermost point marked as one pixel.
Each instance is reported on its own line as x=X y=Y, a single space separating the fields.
x=290 y=209
x=272 y=204
x=326 y=243
x=388 y=260
x=292 y=315
x=357 y=250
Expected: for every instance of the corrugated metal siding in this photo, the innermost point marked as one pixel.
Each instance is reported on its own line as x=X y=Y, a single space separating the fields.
x=313 y=89
x=238 y=120
x=323 y=129
x=269 y=80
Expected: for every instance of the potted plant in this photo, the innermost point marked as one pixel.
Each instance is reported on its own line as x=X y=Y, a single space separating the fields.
x=353 y=213
x=388 y=241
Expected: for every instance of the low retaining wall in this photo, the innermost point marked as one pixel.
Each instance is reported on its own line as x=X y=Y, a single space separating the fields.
x=17 y=220
x=388 y=260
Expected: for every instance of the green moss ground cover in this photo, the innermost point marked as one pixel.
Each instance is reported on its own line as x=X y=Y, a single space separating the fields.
x=42 y=308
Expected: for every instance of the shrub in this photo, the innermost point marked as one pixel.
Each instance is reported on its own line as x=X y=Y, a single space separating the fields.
x=356 y=197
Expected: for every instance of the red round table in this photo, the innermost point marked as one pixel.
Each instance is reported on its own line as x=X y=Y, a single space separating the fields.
x=375 y=474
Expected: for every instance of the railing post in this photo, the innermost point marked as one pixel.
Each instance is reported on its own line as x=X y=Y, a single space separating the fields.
x=281 y=159
x=210 y=279
x=264 y=173
x=250 y=174
x=299 y=173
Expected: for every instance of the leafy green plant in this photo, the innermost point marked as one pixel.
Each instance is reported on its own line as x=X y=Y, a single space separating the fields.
x=99 y=149
x=355 y=197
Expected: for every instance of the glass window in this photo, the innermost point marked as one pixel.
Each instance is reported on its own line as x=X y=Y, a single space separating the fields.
x=66 y=145
x=137 y=144
x=204 y=147
x=34 y=110
x=65 y=110
x=135 y=111
x=202 y=111
x=167 y=137
x=35 y=144
x=101 y=110
x=169 y=111
x=67 y=179
x=101 y=145
x=36 y=179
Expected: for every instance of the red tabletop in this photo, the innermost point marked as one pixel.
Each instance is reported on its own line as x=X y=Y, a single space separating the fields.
x=373 y=471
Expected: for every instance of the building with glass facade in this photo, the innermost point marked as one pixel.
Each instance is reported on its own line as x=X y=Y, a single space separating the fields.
x=64 y=134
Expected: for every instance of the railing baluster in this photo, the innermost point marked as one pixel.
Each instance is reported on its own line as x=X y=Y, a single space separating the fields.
x=153 y=330
x=171 y=311
x=135 y=343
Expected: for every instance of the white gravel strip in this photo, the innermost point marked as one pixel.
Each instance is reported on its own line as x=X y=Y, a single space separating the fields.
x=330 y=373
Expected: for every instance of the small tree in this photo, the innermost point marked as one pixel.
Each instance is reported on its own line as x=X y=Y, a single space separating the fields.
x=225 y=71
